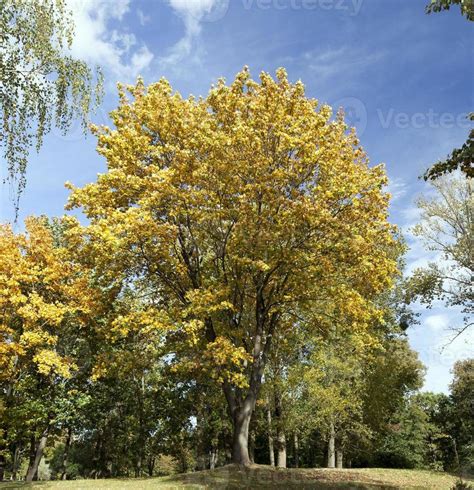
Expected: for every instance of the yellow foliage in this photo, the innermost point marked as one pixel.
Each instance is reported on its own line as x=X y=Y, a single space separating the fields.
x=42 y=292
x=237 y=209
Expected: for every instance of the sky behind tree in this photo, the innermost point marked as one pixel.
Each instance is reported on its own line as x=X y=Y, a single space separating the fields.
x=403 y=77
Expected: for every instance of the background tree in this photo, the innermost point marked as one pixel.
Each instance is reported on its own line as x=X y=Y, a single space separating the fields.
x=466 y=6
x=461 y=159
x=46 y=308
x=447 y=227
x=40 y=83
x=460 y=416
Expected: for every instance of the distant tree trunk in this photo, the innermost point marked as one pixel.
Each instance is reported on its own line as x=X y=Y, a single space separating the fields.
x=252 y=447
x=331 y=447
x=2 y=464
x=281 y=438
x=281 y=449
x=201 y=456
x=213 y=457
x=271 y=449
x=67 y=446
x=32 y=454
x=296 y=448
x=33 y=469
x=339 y=456
x=15 y=462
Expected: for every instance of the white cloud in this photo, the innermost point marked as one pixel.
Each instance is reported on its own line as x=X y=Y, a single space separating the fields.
x=96 y=42
x=193 y=13
x=397 y=188
x=434 y=342
x=437 y=322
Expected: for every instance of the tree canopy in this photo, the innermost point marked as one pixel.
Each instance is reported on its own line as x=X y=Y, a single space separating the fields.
x=41 y=84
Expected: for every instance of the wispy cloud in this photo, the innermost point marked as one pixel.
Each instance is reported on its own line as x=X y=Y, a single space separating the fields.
x=193 y=13
x=328 y=63
x=100 y=38
x=397 y=188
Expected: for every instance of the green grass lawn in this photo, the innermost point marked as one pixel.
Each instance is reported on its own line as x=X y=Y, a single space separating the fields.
x=257 y=476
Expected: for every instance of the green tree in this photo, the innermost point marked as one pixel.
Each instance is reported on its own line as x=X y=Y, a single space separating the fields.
x=461 y=159
x=40 y=83
x=466 y=6
x=461 y=414
x=447 y=228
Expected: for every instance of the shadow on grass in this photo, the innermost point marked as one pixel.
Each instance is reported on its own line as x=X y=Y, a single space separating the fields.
x=255 y=476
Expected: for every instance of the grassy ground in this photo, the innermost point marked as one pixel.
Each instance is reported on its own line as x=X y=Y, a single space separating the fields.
x=255 y=477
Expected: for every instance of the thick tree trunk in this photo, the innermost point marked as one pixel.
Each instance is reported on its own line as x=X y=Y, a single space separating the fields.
x=339 y=457
x=296 y=447
x=33 y=469
x=331 y=447
x=271 y=449
x=240 y=440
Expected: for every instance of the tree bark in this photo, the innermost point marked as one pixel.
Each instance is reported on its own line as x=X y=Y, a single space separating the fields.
x=33 y=469
x=15 y=462
x=339 y=459
x=67 y=445
x=281 y=438
x=240 y=440
x=331 y=447
x=271 y=448
x=296 y=446
x=281 y=442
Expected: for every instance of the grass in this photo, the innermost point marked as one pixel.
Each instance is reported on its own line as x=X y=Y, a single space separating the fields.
x=258 y=476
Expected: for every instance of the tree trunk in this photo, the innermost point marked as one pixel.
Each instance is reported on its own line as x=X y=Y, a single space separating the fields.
x=271 y=449
x=252 y=446
x=281 y=438
x=67 y=445
x=281 y=449
x=33 y=469
x=331 y=447
x=213 y=457
x=16 y=462
x=297 y=450
x=240 y=439
x=339 y=456
x=2 y=466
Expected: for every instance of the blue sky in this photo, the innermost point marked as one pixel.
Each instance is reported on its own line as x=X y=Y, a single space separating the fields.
x=404 y=78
